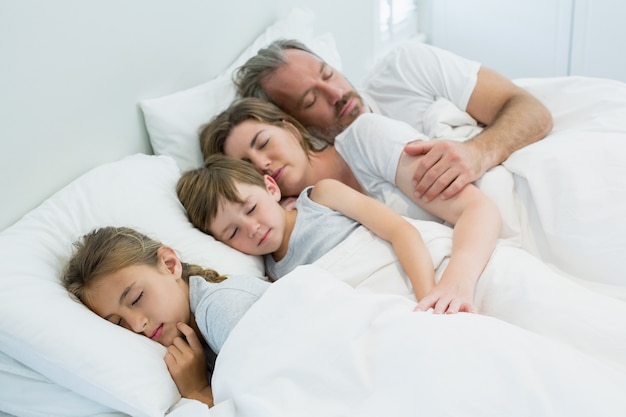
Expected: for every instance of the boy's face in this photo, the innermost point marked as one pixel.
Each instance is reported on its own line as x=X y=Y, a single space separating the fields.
x=144 y=299
x=256 y=226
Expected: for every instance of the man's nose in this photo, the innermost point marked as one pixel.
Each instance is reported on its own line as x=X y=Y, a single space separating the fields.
x=331 y=92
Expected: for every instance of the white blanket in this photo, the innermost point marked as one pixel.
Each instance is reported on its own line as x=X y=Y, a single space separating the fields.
x=314 y=346
x=569 y=195
x=515 y=287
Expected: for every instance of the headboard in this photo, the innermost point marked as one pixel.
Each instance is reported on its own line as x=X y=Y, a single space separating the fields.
x=73 y=73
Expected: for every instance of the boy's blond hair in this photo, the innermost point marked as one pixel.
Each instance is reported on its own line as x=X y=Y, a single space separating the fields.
x=203 y=190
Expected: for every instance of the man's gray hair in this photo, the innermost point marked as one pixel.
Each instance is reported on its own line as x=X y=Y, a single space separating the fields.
x=248 y=77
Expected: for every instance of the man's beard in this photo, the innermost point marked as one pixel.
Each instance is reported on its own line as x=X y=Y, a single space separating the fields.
x=329 y=133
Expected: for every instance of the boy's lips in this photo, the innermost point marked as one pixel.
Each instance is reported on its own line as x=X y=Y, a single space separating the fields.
x=264 y=237
x=157 y=333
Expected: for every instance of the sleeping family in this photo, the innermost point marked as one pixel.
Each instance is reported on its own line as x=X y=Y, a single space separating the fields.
x=301 y=162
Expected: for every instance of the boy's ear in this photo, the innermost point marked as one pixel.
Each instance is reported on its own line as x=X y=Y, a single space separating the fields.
x=167 y=256
x=272 y=188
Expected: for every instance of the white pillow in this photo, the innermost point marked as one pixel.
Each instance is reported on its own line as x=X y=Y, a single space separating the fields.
x=173 y=121
x=60 y=339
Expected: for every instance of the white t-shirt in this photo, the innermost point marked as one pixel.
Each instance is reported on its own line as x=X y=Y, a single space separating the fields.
x=404 y=83
x=371 y=146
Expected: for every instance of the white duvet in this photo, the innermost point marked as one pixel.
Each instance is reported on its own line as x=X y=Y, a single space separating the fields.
x=569 y=202
x=314 y=346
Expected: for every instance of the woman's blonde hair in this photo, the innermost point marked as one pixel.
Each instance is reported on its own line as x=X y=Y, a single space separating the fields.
x=213 y=135
x=107 y=250
x=203 y=190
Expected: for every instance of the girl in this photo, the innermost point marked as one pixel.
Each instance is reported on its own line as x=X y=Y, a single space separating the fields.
x=230 y=200
x=140 y=284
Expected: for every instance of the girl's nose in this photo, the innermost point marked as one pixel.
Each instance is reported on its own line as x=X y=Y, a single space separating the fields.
x=137 y=323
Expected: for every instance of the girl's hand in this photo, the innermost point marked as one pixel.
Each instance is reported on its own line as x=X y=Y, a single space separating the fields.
x=447 y=298
x=186 y=363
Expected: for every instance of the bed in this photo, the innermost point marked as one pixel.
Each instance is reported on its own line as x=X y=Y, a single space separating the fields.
x=59 y=359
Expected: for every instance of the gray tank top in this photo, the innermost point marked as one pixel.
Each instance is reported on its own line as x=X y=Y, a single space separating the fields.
x=318 y=229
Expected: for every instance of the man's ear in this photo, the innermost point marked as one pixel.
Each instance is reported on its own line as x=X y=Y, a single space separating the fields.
x=167 y=257
x=272 y=188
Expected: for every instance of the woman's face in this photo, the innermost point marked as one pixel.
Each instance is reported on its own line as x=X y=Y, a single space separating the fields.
x=147 y=300
x=274 y=151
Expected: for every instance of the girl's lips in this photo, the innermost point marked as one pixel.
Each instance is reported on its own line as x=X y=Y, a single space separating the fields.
x=157 y=333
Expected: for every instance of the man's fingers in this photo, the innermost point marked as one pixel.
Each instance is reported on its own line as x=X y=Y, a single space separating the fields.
x=418 y=147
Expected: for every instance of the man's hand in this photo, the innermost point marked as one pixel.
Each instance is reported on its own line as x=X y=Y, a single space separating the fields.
x=445 y=167
x=186 y=363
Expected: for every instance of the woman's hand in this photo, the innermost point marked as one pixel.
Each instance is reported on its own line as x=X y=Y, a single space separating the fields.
x=186 y=363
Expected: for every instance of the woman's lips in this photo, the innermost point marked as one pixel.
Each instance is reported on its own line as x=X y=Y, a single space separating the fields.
x=157 y=333
x=279 y=173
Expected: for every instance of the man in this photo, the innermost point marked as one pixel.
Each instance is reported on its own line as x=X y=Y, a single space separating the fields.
x=402 y=86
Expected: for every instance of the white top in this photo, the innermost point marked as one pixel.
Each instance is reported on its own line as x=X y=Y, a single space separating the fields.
x=405 y=82
x=371 y=146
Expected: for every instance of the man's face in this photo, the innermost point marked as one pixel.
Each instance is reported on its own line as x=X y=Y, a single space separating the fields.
x=315 y=93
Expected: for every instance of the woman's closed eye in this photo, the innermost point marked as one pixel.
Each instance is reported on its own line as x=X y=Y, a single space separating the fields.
x=264 y=143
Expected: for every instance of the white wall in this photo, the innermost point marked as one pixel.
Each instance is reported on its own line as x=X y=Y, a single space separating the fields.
x=532 y=38
x=72 y=72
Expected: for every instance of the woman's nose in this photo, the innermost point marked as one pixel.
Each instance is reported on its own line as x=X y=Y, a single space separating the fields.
x=261 y=163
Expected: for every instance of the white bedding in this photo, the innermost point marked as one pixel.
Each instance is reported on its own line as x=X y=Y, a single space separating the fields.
x=569 y=194
x=314 y=346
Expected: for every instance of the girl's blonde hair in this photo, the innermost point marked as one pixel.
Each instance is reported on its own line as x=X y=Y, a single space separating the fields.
x=109 y=249
x=213 y=135
x=202 y=190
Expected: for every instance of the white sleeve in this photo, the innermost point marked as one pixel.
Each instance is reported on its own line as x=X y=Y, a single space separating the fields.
x=372 y=146
x=414 y=75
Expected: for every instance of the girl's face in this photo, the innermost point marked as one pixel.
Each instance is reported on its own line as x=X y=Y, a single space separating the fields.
x=256 y=226
x=274 y=151
x=146 y=299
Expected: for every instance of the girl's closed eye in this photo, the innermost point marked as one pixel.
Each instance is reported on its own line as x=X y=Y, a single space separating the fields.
x=251 y=209
x=234 y=233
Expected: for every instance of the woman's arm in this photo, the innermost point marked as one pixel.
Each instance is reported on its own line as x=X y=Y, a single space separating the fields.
x=477 y=224
x=385 y=223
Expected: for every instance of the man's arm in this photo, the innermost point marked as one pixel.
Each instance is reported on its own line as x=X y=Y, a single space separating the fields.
x=513 y=118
